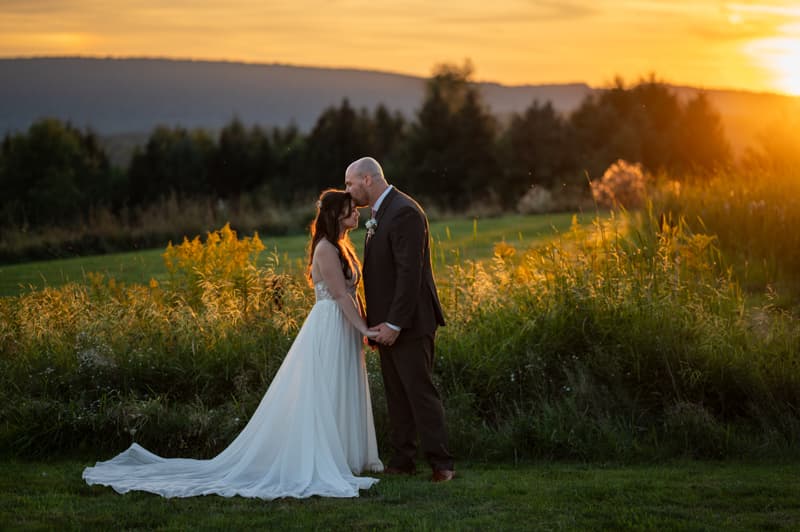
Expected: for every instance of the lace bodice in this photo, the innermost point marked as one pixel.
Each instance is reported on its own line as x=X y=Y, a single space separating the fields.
x=322 y=293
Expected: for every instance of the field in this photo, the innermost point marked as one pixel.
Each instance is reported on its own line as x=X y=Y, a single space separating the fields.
x=544 y=496
x=634 y=370
x=454 y=239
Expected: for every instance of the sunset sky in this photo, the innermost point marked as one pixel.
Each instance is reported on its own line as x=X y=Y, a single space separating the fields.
x=712 y=44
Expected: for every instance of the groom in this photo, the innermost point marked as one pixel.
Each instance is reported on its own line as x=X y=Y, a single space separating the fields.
x=402 y=305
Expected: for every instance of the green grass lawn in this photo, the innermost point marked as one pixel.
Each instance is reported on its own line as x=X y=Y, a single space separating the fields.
x=454 y=239
x=544 y=496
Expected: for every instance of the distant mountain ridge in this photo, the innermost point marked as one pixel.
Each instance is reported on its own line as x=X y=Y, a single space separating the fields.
x=127 y=98
x=116 y=96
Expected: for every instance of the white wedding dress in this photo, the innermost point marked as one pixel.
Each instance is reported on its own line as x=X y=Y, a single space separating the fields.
x=311 y=434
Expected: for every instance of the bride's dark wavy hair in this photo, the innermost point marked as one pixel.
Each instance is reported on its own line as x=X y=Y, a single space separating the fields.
x=332 y=205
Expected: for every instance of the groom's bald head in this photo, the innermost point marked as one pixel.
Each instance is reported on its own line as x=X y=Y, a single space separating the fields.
x=366 y=166
x=364 y=180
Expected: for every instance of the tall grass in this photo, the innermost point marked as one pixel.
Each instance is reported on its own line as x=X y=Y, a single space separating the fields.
x=754 y=214
x=618 y=343
x=104 y=231
x=91 y=364
x=624 y=339
x=454 y=238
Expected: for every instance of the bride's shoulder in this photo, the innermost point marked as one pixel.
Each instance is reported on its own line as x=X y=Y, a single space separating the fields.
x=325 y=246
x=325 y=250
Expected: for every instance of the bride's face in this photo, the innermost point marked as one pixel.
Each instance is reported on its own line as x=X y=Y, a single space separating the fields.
x=349 y=221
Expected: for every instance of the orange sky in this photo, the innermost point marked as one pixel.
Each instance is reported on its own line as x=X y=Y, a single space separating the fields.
x=743 y=44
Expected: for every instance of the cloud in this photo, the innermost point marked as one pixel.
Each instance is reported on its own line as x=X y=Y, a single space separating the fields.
x=668 y=7
x=37 y=7
x=791 y=10
x=547 y=10
x=731 y=32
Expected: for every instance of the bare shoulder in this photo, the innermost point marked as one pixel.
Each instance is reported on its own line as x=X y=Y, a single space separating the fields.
x=325 y=249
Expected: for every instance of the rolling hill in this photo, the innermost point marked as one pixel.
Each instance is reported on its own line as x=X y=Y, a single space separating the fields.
x=124 y=99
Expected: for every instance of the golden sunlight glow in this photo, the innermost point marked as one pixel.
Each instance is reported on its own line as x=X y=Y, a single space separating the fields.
x=747 y=44
x=67 y=40
x=781 y=57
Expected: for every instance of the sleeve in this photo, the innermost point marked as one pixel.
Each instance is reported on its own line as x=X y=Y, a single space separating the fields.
x=407 y=239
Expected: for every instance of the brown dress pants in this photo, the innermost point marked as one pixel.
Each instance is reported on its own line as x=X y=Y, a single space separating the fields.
x=414 y=403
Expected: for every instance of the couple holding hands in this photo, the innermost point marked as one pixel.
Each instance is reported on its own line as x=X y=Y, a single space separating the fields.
x=313 y=432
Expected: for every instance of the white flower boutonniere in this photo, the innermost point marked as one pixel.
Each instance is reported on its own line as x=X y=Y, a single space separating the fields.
x=371 y=225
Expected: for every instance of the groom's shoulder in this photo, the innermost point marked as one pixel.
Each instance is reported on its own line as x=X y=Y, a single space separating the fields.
x=404 y=200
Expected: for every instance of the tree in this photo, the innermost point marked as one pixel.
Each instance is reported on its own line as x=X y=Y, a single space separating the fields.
x=656 y=116
x=242 y=160
x=647 y=124
x=339 y=136
x=606 y=130
x=701 y=145
x=537 y=150
x=477 y=163
x=173 y=161
x=388 y=133
x=53 y=174
x=451 y=154
x=288 y=151
x=427 y=158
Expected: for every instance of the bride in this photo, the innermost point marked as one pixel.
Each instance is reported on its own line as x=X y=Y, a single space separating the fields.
x=313 y=431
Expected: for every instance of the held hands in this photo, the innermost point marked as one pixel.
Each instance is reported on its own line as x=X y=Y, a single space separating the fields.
x=384 y=334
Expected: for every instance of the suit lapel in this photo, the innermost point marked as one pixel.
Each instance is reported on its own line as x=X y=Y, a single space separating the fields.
x=387 y=201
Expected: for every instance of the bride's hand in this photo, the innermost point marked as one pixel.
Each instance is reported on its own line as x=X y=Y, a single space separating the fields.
x=371 y=334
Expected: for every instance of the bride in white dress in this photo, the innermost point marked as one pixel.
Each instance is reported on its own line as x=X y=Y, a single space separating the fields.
x=313 y=431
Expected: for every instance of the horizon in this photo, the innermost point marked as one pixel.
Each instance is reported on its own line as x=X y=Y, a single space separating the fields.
x=746 y=45
x=628 y=81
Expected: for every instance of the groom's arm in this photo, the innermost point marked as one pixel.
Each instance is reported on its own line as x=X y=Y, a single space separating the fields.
x=407 y=239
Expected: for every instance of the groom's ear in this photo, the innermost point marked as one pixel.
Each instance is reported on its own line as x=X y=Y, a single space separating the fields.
x=367 y=180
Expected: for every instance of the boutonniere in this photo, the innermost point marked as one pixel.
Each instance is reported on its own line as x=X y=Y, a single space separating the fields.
x=371 y=225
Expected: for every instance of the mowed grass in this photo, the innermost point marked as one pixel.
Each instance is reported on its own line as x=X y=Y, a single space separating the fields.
x=454 y=240
x=543 y=496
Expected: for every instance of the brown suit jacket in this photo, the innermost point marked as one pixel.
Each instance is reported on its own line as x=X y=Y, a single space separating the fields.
x=398 y=279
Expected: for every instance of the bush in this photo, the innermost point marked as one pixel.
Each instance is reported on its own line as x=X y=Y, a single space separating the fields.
x=622 y=186
x=536 y=200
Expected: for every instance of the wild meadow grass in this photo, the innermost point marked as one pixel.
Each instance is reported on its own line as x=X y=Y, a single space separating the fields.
x=454 y=239
x=754 y=214
x=618 y=343
x=622 y=339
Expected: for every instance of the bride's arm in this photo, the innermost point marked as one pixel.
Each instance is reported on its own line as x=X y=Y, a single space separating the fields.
x=327 y=259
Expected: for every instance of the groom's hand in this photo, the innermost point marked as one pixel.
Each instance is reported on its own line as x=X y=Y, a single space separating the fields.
x=386 y=335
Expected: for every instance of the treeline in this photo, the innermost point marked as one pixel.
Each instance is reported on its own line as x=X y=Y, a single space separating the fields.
x=454 y=153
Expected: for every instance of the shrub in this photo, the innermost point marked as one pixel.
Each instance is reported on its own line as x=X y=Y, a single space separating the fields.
x=536 y=200
x=622 y=186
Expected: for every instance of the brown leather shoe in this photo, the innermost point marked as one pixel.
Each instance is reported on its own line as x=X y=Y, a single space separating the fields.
x=443 y=475
x=398 y=471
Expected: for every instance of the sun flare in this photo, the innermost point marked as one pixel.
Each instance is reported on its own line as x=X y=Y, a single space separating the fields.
x=781 y=57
